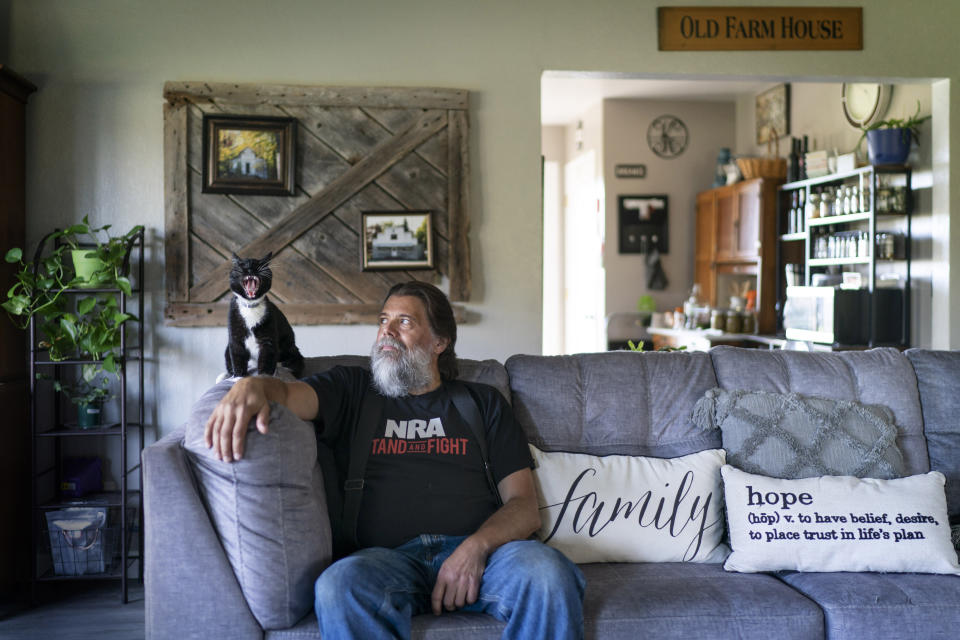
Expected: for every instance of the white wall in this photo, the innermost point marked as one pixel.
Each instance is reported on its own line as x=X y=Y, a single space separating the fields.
x=95 y=126
x=710 y=126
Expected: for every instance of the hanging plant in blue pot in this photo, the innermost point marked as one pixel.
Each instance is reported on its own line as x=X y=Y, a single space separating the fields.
x=889 y=141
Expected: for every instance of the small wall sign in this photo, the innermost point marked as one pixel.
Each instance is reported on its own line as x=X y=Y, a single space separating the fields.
x=760 y=28
x=630 y=170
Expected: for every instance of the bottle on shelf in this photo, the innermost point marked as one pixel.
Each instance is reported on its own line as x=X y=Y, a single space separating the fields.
x=803 y=155
x=801 y=212
x=826 y=203
x=793 y=172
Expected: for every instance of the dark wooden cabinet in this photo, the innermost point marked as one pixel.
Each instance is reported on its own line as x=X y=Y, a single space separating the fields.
x=736 y=240
x=15 y=428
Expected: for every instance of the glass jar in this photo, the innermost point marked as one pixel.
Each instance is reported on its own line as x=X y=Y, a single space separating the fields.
x=733 y=321
x=718 y=320
x=898 y=200
x=883 y=199
x=813 y=205
x=885 y=246
x=865 y=198
x=748 y=322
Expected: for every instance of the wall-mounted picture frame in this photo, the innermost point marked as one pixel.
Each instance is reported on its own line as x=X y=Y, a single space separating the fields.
x=397 y=240
x=249 y=155
x=773 y=114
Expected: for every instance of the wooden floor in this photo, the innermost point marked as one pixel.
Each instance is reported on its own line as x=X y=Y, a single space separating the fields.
x=76 y=611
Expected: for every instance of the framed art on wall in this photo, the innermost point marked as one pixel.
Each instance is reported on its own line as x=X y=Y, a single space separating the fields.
x=773 y=114
x=397 y=240
x=249 y=155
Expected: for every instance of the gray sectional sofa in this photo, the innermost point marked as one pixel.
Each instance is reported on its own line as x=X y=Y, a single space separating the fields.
x=633 y=404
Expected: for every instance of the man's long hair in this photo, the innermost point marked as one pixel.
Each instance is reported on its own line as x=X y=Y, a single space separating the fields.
x=440 y=315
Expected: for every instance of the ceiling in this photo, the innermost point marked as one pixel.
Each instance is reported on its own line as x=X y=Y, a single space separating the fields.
x=566 y=96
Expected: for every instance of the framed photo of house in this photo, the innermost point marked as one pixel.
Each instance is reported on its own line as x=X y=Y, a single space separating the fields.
x=397 y=240
x=249 y=155
x=773 y=114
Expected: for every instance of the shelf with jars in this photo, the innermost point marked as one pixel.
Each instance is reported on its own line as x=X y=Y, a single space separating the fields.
x=850 y=229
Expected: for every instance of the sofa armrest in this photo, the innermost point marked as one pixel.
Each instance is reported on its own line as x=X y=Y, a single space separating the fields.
x=190 y=589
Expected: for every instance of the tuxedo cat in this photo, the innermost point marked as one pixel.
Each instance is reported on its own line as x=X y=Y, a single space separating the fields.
x=260 y=335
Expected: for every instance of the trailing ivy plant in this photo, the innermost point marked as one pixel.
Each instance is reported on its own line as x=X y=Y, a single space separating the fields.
x=90 y=326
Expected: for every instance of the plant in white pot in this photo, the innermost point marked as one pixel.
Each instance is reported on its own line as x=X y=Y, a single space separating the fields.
x=889 y=141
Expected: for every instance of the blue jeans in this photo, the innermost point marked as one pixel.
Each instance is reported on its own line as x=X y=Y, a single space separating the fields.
x=373 y=593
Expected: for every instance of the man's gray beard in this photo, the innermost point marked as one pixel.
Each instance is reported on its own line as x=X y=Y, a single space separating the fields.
x=397 y=373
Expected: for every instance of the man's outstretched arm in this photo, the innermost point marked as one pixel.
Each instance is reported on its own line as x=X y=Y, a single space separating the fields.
x=250 y=398
x=458 y=581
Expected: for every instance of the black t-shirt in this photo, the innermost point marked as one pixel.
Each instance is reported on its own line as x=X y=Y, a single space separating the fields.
x=424 y=473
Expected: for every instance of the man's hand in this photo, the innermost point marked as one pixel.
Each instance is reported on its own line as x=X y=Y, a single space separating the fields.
x=226 y=429
x=458 y=581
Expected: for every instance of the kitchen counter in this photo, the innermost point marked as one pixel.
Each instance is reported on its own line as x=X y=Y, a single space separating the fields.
x=703 y=339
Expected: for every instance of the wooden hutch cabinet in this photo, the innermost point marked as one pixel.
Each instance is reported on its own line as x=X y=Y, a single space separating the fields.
x=736 y=240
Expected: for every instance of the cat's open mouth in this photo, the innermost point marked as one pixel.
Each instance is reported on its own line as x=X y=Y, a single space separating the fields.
x=251 y=284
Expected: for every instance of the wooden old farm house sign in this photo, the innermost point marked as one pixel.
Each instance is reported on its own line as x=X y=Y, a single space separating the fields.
x=357 y=150
x=760 y=28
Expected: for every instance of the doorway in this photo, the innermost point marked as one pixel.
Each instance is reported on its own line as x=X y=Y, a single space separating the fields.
x=615 y=285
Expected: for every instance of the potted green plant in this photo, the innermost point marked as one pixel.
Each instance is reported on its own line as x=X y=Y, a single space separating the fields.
x=88 y=394
x=73 y=326
x=889 y=141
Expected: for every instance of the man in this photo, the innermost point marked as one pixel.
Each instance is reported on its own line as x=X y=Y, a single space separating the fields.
x=431 y=533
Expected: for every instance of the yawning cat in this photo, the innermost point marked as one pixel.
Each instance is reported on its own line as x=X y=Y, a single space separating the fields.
x=260 y=336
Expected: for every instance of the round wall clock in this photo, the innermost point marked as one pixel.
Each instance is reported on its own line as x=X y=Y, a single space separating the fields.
x=864 y=102
x=667 y=136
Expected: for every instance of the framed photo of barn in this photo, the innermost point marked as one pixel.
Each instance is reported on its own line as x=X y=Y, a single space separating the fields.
x=249 y=155
x=397 y=240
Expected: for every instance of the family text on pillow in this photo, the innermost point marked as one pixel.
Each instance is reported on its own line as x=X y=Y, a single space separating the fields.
x=631 y=509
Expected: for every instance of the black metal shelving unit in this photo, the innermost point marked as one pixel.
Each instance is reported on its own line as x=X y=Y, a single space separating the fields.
x=888 y=208
x=51 y=431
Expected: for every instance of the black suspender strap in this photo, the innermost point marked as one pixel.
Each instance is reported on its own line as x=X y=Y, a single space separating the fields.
x=467 y=408
x=371 y=414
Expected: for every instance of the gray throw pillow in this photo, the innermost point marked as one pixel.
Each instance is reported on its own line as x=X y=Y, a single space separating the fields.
x=269 y=510
x=794 y=436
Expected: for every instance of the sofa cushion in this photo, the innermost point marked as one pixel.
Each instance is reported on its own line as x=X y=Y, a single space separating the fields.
x=631 y=509
x=268 y=509
x=795 y=436
x=892 y=606
x=624 y=403
x=938 y=381
x=838 y=523
x=664 y=600
x=881 y=377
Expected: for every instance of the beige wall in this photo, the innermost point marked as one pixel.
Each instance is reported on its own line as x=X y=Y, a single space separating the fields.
x=95 y=129
x=710 y=126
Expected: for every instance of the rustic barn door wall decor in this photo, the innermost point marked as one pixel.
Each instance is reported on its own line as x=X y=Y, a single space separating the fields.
x=357 y=149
